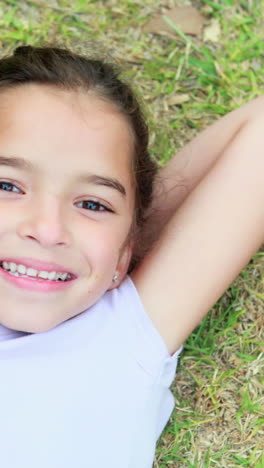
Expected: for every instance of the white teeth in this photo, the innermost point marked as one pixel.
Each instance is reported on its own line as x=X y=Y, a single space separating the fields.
x=52 y=275
x=18 y=270
x=43 y=274
x=21 y=269
x=31 y=272
x=12 y=267
x=62 y=276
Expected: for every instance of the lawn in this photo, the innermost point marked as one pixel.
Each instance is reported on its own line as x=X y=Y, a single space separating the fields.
x=186 y=82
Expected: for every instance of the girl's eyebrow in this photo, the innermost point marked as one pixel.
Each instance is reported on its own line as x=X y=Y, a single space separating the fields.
x=23 y=164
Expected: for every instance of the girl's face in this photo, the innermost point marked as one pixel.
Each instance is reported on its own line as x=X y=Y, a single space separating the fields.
x=55 y=149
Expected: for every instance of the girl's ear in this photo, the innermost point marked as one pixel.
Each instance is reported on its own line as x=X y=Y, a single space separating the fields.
x=122 y=266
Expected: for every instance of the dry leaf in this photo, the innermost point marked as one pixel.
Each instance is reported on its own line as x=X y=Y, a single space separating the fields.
x=212 y=32
x=187 y=18
x=178 y=99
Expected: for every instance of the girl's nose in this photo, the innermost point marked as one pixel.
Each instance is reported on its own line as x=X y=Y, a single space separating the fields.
x=45 y=225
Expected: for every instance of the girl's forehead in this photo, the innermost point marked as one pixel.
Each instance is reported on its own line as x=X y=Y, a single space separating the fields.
x=69 y=113
x=54 y=122
x=36 y=101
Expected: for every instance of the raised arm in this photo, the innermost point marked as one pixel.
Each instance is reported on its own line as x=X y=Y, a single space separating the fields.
x=212 y=234
x=187 y=168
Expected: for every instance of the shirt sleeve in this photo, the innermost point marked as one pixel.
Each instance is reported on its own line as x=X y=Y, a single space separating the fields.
x=141 y=336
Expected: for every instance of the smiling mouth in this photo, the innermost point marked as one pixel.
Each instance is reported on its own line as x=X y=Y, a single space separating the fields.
x=35 y=275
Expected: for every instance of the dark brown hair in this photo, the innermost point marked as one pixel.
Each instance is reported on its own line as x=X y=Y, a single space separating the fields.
x=67 y=70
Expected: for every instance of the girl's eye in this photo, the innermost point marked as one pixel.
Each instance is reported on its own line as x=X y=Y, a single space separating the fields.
x=93 y=206
x=88 y=204
x=8 y=187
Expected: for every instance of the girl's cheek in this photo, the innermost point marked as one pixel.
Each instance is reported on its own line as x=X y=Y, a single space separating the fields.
x=8 y=217
x=102 y=245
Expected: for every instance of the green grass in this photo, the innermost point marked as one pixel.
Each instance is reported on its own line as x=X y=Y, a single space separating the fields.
x=218 y=419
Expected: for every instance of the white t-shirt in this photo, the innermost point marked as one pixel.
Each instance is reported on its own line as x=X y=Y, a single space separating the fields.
x=91 y=393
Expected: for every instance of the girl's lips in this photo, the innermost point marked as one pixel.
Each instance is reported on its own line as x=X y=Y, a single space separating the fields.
x=35 y=284
x=38 y=265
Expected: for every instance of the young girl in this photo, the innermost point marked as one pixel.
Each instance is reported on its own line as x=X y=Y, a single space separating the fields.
x=88 y=352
